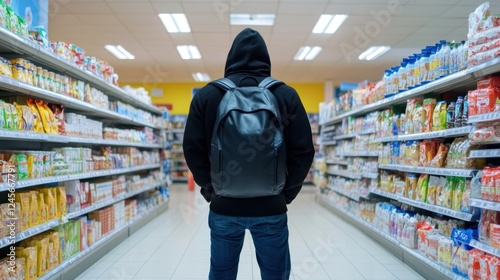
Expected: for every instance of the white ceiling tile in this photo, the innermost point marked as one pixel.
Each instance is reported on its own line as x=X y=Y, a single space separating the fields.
x=207 y=18
x=203 y=8
x=132 y=8
x=139 y=19
x=335 y=8
x=98 y=19
x=458 y=12
x=424 y=10
x=251 y=8
x=88 y=8
x=301 y=9
x=433 y=2
x=162 y=7
x=209 y=28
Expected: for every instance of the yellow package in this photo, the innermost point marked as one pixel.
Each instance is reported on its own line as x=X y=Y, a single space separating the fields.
x=52 y=119
x=50 y=202
x=21 y=124
x=8 y=115
x=44 y=116
x=20 y=270
x=42 y=252
x=54 y=236
x=30 y=256
x=37 y=119
x=5 y=272
x=42 y=209
x=62 y=209
x=14 y=116
x=34 y=209
x=2 y=114
x=51 y=256
x=23 y=198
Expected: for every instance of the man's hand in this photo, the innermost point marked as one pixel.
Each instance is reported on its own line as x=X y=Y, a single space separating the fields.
x=207 y=194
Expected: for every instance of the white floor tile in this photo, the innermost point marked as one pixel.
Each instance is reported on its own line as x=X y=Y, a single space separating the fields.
x=176 y=246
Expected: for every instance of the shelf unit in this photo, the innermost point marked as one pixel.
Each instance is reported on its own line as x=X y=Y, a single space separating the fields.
x=12 y=45
x=178 y=166
x=462 y=79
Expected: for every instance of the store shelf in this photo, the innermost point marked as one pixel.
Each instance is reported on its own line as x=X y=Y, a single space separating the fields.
x=355 y=197
x=384 y=194
x=180 y=168
x=438 y=209
x=338 y=162
x=469 y=173
x=62 y=178
x=344 y=173
x=354 y=134
x=370 y=175
x=177 y=130
x=448 y=133
x=484 y=204
x=57 y=271
x=329 y=143
x=112 y=201
x=6 y=241
x=495 y=116
x=485 y=247
x=360 y=154
x=486 y=153
x=328 y=129
x=177 y=151
x=179 y=178
x=43 y=57
x=404 y=253
x=69 y=102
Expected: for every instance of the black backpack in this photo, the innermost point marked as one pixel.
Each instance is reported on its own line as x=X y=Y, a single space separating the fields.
x=248 y=155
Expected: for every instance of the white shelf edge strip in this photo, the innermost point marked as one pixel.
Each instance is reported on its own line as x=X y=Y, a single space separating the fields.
x=429 y=170
x=62 y=178
x=97 y=244
x=56 y=222
x=337 y=162
x=484 y=204
x=354 y=197
x=453 y=132
x=437 y=209
x=413 y=252
x=486 y=153
x=41 y=54
x=485 y=247
x=344 y=173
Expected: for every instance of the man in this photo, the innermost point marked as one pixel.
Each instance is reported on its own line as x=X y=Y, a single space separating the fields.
x=265 y=217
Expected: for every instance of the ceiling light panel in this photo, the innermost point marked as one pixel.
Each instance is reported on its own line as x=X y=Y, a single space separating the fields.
x=175 y=23
x=328 y=24
x=307 y=53
x=119 y=51
x=373 y=52
x=189 y=52
x=201 y=77
x=252 y=19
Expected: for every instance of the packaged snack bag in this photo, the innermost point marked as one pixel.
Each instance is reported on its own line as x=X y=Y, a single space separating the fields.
x=429 y=105
x=458 y=193
x=412 y=153
x=14 y=116
x=441 y=156
x=445 y=251
x=23 y=198
x=44 y=116
x=494 y=268
x=37 y=121
x=419 y=115
x=30 y=255
x=61 y=201
x=474 y=267
x=8 y=116
x=42 y=209
x=464 y=207
x=432 y=189
x=422 y=187
x=51 y=201
x=3 y=115
x=21 y=163
x=28 y=117
x=411 y=186
x=4 y=20
x=59 y=118
x=55 y=238
x=42 y=246
x=35 y=218
x=446 y=195
x=52 y=119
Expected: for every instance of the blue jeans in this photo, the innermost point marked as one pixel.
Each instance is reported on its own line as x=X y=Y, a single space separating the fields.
x=270 y=237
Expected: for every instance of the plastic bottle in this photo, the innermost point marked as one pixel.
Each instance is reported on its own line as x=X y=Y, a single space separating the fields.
x=453 y=66
x=387 y=81
x=465 y=113
x=416 y=71
x=445 y=62
x=432 y=58
x=395 y=80
x=402 y=79
x=450 y=115
x=464 y=55
x=424 y=67
x=437 y=60
x=410 y=67
x=459 y=109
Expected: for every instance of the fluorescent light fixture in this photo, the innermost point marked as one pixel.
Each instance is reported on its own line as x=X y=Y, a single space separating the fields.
x=252 y=19
x=307 y=53
x=119 y=52
x=175 y=23
x=373 y=52
x=329 y=23
x=201 y=77
x=189 y=52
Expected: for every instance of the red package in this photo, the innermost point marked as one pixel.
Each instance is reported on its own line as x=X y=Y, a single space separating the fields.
x=484 y=268
x=472 y=102
x=487 y=100
x=474 y=265
x=493 y=82
x=494 y=265
x=495 y=235
x=487 y=184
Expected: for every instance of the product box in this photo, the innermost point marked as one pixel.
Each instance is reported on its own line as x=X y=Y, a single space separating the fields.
x=85 y=195
x=83 y=233
x=73 y=195
x=104 y=190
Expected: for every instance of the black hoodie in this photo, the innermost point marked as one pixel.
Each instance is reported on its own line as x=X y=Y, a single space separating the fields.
x=248 y=57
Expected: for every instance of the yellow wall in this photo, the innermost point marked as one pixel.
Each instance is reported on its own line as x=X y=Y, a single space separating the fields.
x=179 y=95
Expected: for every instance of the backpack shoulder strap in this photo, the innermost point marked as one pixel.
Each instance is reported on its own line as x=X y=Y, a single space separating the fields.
x=270 y=82
x=224 y=83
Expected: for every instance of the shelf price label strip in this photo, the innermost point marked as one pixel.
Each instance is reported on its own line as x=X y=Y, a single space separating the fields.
x=336 y=162
x=354 y=197
x=487 y=153
x=344 y=174
x=452 y=132
x=485 y=247
x=430 y=170
x=437 y=209
x=484 y=204
x=97 y=244
x=413 y=252
x=385 y=194
x=62 y=178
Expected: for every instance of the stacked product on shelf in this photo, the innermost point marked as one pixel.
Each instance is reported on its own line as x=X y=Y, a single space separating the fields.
x=80 y=159
x=435 y=153
x=178 y=166
x=313 y=121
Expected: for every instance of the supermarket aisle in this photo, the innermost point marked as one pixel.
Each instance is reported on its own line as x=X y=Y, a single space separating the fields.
x=176 y=246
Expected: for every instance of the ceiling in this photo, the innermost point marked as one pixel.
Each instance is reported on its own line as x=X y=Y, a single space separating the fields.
x=134 y=24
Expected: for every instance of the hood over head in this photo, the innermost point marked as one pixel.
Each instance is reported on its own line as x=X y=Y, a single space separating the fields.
x=248 y=55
